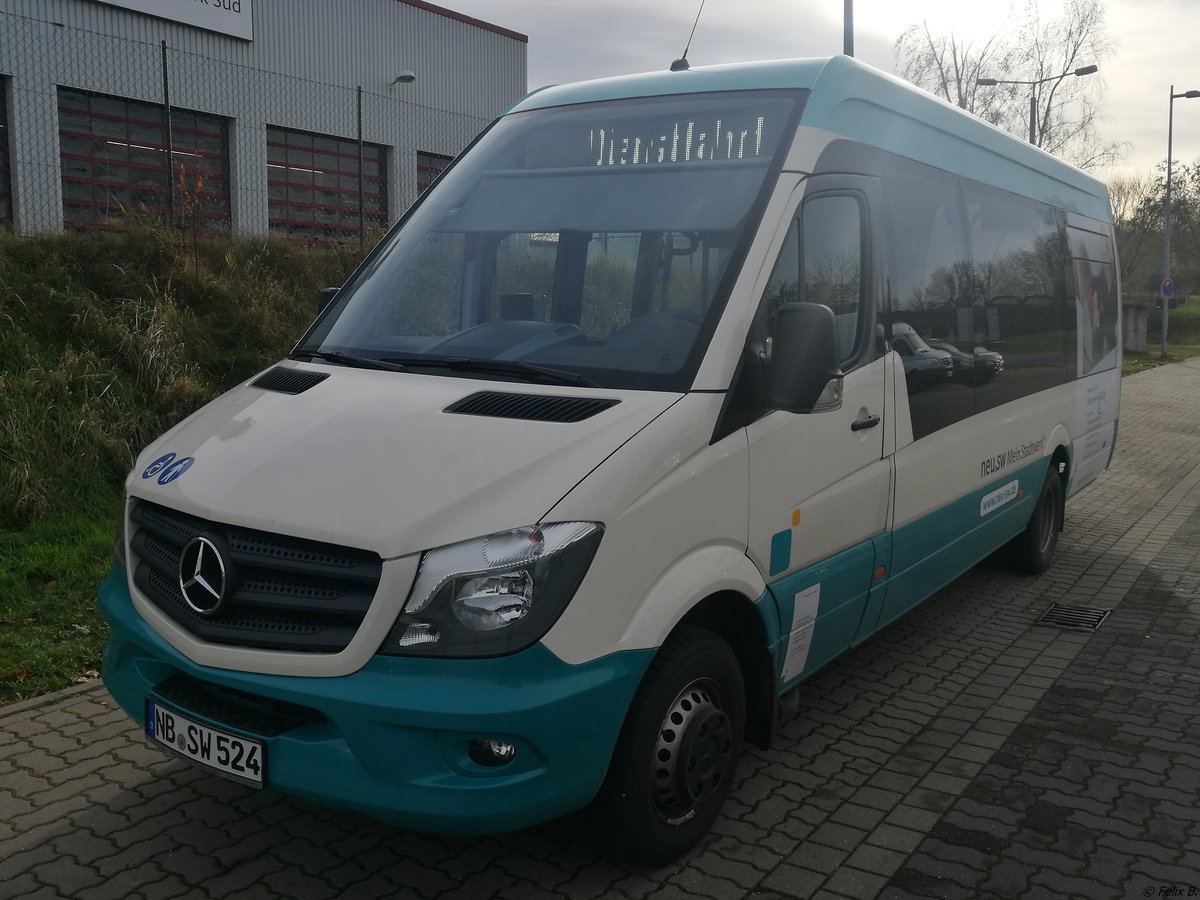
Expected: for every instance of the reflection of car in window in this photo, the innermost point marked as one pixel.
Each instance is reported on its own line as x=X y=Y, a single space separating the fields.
x=923 y=365
x=971 y=368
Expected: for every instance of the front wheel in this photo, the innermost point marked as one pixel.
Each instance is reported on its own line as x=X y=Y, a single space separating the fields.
x=1032 y=551
x=678 y=749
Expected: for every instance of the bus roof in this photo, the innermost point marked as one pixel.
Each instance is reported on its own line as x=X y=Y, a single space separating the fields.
x=862 y=103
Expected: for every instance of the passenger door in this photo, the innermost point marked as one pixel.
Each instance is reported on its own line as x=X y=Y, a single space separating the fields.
x=820 y=483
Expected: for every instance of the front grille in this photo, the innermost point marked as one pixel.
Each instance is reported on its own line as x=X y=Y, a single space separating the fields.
x=282 y=593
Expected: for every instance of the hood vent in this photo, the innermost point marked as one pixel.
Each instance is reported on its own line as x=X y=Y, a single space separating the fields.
x=288 y=381
x=530 y=407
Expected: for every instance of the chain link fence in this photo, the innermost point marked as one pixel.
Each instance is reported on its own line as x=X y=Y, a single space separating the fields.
x=91 y=121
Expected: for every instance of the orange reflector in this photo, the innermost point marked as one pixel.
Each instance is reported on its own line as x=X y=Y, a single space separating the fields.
x=1020 y=493
x=879 y=573
x=795 y=517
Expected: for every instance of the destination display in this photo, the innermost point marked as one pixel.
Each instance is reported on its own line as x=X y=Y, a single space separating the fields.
x=680 y=141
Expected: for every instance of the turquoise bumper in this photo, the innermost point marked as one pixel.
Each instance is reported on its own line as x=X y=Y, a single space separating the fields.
x=391 y=740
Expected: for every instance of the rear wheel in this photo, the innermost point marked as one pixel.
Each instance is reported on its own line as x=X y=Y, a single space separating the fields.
x=678 y=749
x=1032 y=551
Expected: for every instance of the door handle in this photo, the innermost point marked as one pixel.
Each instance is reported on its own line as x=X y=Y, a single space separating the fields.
x=863 y=424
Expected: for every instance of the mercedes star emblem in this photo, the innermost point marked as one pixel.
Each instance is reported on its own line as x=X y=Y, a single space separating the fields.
x=202 y=576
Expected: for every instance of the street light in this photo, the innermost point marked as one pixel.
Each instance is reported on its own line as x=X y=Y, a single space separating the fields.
x=1189 y=95
x=992 y=82
x=848 y=28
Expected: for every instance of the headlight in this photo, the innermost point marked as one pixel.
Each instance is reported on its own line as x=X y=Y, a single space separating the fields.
x=493 y=595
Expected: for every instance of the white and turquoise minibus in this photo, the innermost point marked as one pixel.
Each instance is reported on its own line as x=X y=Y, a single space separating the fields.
x=671 y=390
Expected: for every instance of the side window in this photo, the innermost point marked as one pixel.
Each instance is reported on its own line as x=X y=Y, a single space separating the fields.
x=822 y=262
x=784 y=285
x=1092 y=324
x=1019 y=338
x=831 y=232
x=930 y=277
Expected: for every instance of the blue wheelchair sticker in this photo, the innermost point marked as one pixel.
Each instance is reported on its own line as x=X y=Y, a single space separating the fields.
x=175 y=469
x=158 y=465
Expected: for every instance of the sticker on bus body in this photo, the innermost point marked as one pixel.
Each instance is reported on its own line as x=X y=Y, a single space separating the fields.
x=999 y=497
x=805 y=606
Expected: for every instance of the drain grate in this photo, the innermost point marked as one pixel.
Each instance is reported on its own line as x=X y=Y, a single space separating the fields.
x=1082 y=618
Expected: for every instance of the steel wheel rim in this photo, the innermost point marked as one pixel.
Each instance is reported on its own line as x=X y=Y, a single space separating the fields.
x=692 y=752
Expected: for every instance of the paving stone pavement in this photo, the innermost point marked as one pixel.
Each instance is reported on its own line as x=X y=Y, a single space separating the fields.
x=964 y=752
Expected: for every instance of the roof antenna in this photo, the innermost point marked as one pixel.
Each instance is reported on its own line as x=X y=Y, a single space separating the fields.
x=682 y=64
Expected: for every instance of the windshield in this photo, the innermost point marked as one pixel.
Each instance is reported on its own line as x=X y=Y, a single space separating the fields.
x=597 y=240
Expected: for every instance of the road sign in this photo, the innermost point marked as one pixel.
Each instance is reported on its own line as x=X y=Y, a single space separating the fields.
x=1167 y=288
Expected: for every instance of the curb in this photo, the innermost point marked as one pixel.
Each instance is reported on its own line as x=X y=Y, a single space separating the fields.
x=13 y=710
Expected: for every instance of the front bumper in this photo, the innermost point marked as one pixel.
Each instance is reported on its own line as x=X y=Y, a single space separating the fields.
x=391 y=740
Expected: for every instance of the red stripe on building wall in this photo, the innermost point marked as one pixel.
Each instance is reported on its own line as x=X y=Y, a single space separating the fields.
x=459 y=17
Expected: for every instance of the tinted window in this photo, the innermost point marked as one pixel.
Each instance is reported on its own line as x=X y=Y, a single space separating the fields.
x=822 y=262
x=112 y=155
x=930 y=279
x=429 y=167
x=831 y=227
x=1020 y=324
x=5 y=179
x=314 y=189
x=1095 y=303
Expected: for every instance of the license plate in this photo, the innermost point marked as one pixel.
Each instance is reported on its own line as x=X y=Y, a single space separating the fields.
x=237 y=758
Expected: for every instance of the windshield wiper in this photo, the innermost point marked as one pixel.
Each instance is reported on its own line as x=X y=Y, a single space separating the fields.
x=345 y=359
x=524 y=371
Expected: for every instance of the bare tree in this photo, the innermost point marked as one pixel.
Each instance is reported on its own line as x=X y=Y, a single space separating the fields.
x=1066 y=108
x=949 y=67
x=1137 y=221
x=1130 y=196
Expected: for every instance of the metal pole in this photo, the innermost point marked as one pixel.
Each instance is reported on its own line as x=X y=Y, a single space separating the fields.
x=362 y=225
x=848 y=29
x=1033 y=116
x=167 y=149
x=1167 y=223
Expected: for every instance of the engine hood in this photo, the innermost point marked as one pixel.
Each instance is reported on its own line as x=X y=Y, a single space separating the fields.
x=371 y=459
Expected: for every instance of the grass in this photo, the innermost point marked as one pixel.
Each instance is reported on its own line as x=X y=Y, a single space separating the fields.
x=50 y=629
x=106 y=340
x=1183 y=339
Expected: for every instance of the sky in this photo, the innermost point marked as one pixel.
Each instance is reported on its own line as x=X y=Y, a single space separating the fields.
x=573 y=41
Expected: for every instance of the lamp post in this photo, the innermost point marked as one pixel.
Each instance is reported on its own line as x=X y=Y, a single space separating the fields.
x=1189 y=95
x=848 y=28
x=992 y=82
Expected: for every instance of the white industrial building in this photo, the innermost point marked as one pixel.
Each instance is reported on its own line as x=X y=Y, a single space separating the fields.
x=310 y=118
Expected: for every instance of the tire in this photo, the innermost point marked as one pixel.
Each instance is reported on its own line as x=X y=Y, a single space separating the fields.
x=678 y=750
x=1032 y=551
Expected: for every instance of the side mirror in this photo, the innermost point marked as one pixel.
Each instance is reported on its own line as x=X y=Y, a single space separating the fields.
x=805 y=374
x=325 y=298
